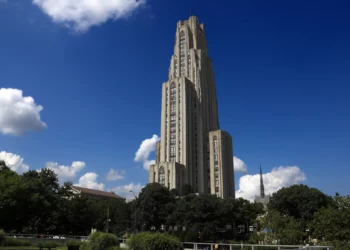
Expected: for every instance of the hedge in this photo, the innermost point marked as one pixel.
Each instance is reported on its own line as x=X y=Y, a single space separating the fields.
x=12 y=242
x=100 y=241
x=154 y=241
x=2 y=237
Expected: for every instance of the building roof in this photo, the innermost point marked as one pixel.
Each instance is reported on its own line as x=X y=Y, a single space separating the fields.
x=96 y=192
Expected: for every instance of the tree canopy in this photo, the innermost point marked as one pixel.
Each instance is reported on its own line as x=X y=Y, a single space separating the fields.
x=299 y=201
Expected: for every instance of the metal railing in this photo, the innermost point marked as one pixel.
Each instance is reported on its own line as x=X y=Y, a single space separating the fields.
x=224 y=246
x=45 y=236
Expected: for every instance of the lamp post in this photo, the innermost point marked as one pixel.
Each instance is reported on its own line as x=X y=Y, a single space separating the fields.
x=132 y=191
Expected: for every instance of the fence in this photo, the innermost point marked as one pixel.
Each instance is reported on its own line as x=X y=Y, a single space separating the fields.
x=222 y=246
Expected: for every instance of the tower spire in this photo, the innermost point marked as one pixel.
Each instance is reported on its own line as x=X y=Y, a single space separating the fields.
x=262 y=189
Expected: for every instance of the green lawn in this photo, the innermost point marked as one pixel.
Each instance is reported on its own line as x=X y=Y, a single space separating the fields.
x=28 y=248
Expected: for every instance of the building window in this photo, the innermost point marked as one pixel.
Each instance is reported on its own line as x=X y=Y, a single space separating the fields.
x=161 y=176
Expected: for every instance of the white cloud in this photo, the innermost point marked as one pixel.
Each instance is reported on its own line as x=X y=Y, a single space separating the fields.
x=239 y=165
x=80 y=15
x=283 y=176
x=89 y=180
x=125 y=190
x=13 y=161
x=147 y=163
x=114 y=175
x=146 y=148
x=18 y=113
x=65 y=173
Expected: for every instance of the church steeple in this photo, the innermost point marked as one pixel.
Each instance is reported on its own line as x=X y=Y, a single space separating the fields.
x=262 y=189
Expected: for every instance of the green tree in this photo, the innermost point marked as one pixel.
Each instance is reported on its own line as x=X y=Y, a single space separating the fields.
x=283 y=228
x=187 y=189
x=13 y=196
x=333 y=223
x=153 y=206
x=299 y=201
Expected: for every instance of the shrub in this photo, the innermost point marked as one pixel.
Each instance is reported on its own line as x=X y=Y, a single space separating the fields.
x=102 y=241
x=11 y=242
x=47 y=244
x=154 y=241
x=84 y=246
x=2 y=237
x=73 y=243
x=182 y=236
x=191 y=236
x=115 y=248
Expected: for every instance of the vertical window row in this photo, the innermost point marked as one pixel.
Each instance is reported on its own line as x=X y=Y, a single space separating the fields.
x=176 y=68
x=172 y=121
x=182 y=52
x=161 y=175
x=179 y=118
x=216 y=166
x=189 y=64
x=166 y=118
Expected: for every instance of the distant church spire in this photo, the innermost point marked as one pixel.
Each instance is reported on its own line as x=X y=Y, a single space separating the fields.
x=262 y=189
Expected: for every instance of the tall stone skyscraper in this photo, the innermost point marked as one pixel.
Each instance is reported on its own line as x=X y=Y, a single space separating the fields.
x=192 y=150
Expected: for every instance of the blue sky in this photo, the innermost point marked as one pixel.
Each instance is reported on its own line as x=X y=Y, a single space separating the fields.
x=282 y=75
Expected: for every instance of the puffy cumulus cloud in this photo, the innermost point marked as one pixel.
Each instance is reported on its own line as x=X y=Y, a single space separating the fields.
x=114 y=175
x=89 y=180
x=239 y=165
x=19 y=114
x=127 y=190
x=65 y=173
x=147 y=163
x=13 y=161
x=283 y=176
x=80 y=15
x=146 y=148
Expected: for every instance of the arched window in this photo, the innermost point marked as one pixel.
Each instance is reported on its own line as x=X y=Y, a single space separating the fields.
x=161 y=175
x=176 y=68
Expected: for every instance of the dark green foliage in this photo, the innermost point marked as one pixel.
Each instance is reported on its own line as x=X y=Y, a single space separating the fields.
x=11 y=242
x=187 y=189
x=2 y=235
x=299 y=201
x=191 y=236
x=73 y=243
x=154 y=205
x=183 y=236
x=102 y=241
x=333 y=223
x=47 y=244
x=154 y=241
x=174 y=192
x=48 y=210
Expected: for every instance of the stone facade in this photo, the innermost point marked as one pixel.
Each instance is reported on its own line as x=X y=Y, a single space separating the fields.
x=189 y=115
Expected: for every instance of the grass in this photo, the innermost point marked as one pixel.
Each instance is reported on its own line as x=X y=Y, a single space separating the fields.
x=28 y=248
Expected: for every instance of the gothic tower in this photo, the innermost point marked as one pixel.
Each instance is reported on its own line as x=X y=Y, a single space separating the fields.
x=192 y=150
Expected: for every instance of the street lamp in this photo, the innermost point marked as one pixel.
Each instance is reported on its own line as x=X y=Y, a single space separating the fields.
x=132 y=191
